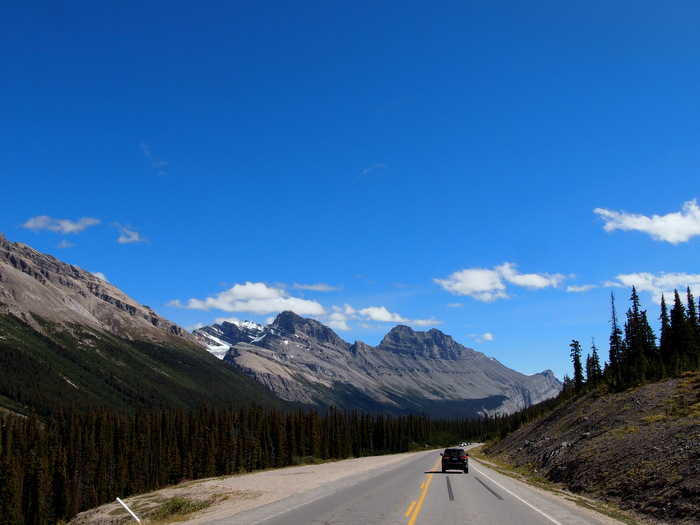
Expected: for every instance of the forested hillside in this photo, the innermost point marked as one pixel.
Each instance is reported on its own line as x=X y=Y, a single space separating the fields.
x=78 y=367
x=52 y=469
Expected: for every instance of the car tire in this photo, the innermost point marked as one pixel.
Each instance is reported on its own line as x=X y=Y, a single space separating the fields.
x=443 y=470
x=466 y=471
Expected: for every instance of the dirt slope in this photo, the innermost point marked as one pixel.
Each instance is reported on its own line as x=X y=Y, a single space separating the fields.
x=639 y=450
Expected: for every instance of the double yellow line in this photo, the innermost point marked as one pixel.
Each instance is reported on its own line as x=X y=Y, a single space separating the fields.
x=414 y=508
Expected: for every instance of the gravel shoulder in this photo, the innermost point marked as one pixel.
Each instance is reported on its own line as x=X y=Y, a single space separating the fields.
x=230 y=495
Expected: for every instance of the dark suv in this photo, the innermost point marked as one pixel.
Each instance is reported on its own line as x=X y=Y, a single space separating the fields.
x=455 y=459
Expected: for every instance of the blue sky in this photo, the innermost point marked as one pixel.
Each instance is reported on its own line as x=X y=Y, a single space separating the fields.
x=493 y=169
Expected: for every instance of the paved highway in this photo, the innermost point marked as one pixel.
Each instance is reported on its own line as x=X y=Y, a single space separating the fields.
x=416 y=492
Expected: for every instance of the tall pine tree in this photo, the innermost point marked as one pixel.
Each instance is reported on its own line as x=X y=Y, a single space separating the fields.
x=681 y=334
x=594 y=372
x=616 y=348
x=641 y=353
x=578 y=367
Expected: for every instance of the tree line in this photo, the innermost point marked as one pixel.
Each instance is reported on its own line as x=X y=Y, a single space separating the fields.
x=636 y=355
x=53 y=468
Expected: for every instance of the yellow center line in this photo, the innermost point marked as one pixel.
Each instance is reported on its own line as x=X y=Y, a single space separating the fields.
x=416 y=510
x=410 y=508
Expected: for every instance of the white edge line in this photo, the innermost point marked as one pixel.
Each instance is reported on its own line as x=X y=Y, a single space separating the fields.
x=550 y=518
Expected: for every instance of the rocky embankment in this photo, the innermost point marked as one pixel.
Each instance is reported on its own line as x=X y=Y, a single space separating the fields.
x=639 y=450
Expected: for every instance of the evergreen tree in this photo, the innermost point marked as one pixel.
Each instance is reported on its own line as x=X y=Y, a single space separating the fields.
x=616 y=348
x=578 y=367
x=681 y=335
x=651 y=358
x=567 y=389
x=291 y=430
x=693 y=327
x=10 y=489
x=668 y=356
x=594 y=372
x=641 y=353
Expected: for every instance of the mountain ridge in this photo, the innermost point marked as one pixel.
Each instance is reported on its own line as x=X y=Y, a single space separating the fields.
x=303 y=361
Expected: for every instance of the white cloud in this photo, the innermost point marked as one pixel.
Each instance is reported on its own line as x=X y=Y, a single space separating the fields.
x=674 y=227
x=64 y=244
x=64 y=226
x=319 y=287
x=380 y=313
x=375 y=167
x=338 y=321
x=256 y=298
x=128 y=235
x=232 y=320
x=260 y=298
x=529 y=280
x=488 y=285
x=159 y=165
x=479 y=283
x=424 y=322
x=658 y=284
x=480 y=338
x=341 y=315
x=581 y=288
x=383 y=315
x=346 y=310
x=100 y=275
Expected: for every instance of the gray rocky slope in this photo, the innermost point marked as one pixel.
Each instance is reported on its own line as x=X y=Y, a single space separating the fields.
x=303 y=361
x=31 y=281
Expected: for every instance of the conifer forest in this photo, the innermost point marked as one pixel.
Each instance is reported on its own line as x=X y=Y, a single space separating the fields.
x=52 y=469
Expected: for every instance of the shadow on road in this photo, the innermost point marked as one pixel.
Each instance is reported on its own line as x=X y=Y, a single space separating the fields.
x=441 y=472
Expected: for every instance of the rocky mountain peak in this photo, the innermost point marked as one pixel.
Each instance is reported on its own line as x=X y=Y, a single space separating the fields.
x=289 y=323
x=432 y=344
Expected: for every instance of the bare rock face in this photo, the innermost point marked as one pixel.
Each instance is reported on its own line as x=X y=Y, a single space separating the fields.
x=303 y=361
x=34 y=282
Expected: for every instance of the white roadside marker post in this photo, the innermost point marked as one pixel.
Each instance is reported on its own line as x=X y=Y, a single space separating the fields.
x=128 y=510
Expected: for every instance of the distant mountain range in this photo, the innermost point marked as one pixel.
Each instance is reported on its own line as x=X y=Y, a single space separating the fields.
x=70 y=339
x=303 y=361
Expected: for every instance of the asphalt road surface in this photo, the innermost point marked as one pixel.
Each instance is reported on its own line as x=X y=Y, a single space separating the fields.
x=416 y=492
